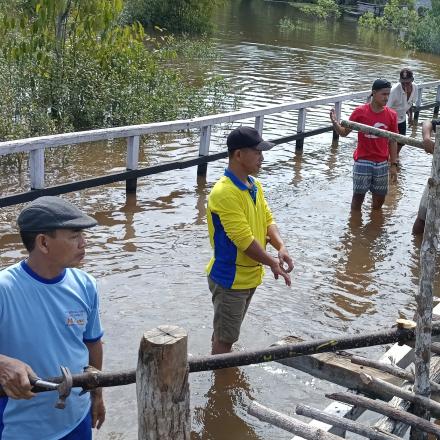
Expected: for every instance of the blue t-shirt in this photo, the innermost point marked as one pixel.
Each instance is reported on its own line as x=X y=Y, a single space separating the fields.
x=45 y=323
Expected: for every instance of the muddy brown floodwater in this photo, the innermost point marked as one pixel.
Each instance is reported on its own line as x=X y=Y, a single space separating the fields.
x=352 y=274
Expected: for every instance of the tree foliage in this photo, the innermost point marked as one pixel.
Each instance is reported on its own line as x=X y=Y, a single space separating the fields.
x=70 y=64
x=323 y=9
x=175 y=16
x=416 y=29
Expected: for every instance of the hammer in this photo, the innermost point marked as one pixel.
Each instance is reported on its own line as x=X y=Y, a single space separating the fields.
x=63 y=388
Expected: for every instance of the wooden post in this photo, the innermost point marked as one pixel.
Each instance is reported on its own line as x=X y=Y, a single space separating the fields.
x=259 y=120
x=428 y=253
x=162 y=385
x=418 y=103
x=437 y=100
x=205 y=139
x=132 y=162
x=338 y=108
x=300 y=129
x=36 y=168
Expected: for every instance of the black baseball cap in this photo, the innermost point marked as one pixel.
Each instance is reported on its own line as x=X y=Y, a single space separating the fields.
x=49 y=213
x=381 y=84
x=246 y=137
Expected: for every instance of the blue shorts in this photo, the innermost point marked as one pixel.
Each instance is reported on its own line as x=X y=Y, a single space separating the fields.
x=83 y=431
x=370 y=176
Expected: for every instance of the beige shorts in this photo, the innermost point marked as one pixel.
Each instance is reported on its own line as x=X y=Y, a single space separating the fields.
x=230 y=307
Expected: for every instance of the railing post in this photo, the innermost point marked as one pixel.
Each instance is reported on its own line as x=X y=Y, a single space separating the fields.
x=162 y=385
x=418 y=103
x=205 y=139
x=36 y=168
x=132 y=162
x=437 y=105
x=259 y=120
x=300 y=129
x=338 y=109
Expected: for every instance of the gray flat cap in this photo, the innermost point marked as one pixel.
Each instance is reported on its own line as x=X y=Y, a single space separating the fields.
x=49 y=213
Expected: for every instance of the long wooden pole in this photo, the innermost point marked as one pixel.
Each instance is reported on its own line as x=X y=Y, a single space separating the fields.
x=90 y=381
x=346 y=424
x=388 y=410
x=390 y=369
x=289 y=423
x=388 y=424
x=428 y=254
x=383 y=133
x=376 y=384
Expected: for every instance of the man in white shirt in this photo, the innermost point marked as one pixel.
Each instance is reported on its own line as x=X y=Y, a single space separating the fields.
x=402 y=97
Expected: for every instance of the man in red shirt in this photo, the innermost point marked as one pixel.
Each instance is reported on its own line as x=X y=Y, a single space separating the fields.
x=370 y=169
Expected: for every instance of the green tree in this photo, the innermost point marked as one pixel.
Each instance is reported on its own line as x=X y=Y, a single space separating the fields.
x=175 y=16
x=70 y=64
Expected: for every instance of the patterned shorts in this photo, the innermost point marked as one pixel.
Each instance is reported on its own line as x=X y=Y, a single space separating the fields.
x=370 y=176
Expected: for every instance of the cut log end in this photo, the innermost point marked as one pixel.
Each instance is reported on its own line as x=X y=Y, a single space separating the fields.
x=405 y=323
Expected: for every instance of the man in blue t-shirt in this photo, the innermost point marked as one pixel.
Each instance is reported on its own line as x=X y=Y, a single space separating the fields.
x=49 y=316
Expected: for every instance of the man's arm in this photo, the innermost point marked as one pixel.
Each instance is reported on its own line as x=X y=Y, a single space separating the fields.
x=276 y=241
x=96 y=354
x=342 y=131
x=257 y=253
x=428 y=143
x=14 y=378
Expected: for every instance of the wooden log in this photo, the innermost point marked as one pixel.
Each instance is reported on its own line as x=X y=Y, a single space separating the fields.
x=428 y=256
x=338 y=369
x=162 y=385
x=388 y=410
x=435 y=348
x=274 y=353
x=383 y=133
x=387 y=424
x=390 y=369
x=347 y=425
x=288 y=423
x=378 y=384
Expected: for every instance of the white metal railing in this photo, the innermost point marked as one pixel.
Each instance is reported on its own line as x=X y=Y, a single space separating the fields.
x=36 y=146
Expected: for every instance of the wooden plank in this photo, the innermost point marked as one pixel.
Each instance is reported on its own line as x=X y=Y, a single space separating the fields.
x=64 y=139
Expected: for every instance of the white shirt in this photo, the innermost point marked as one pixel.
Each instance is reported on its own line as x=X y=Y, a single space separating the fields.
x=399 y=102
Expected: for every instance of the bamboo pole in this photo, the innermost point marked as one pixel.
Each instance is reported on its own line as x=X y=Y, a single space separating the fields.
x=162 y=385
x=288 y=423
x=390 y=369
x=428 y=253
x=388 y=410
x=383 y=133
x=346 y=424
x=377 y=384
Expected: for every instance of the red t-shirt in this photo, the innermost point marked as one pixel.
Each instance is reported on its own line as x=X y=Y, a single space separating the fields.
x=371 y=147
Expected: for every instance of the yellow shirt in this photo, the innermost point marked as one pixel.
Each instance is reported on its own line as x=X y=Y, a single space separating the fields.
x=235 y=219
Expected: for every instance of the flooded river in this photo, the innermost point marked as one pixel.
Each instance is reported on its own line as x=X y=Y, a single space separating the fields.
x=351 y=276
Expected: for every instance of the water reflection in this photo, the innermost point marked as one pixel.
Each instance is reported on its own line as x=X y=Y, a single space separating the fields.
x=363 y=248
x=218 y=419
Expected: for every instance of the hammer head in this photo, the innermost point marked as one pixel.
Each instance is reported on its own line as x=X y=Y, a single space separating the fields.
x=64 y=388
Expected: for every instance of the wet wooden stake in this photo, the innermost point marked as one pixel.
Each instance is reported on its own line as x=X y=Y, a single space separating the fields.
x=162 y=385
x=428 y=252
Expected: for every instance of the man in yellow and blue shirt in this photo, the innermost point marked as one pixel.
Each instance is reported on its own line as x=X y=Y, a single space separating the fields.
x=240 y=223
